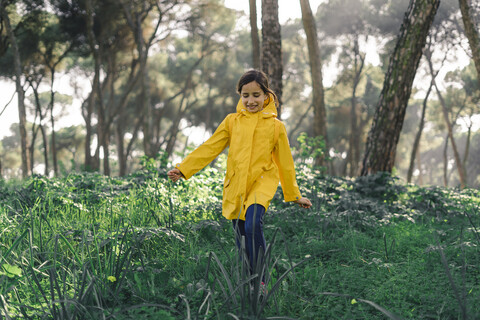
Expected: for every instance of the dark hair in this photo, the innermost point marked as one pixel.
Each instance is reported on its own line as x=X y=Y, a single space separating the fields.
x=259 y=77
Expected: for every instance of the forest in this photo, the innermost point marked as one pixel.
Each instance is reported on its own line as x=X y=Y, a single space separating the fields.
x=380 y=99
x=155 y=79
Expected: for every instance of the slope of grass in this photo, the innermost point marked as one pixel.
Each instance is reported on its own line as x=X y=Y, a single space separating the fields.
x=88 y=247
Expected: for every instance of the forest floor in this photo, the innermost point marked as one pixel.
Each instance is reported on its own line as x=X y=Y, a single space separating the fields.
x=86 y=246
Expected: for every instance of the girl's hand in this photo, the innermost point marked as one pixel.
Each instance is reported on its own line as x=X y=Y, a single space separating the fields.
x=304 y=203
x=174 y=174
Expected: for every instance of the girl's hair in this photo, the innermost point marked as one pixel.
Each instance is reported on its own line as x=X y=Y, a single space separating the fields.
x=259 y=77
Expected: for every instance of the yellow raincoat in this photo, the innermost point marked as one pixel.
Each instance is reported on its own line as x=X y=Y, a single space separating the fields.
x=254 y=164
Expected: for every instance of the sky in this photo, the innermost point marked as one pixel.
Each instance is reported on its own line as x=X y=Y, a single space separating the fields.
x=287 y=9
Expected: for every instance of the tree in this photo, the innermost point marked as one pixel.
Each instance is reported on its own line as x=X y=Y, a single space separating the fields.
x=443 y=37
x=347 y=21
x=109 y=41
x=416 y=143
x=388 y=119
x=56 y=47
x=19 y=87
x=461 y=100
x=35 y=81
x=145 y=35
x=315 y=58
x=254 y=34
x=197 y=68
x=471 y=33
x=272 y=48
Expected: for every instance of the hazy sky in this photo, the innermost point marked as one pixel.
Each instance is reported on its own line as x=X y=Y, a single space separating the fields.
x=287 y=9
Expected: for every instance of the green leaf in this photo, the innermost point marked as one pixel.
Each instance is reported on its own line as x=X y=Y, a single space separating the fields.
x=11 y=271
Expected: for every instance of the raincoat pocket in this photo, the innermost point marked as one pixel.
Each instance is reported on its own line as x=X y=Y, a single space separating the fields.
x=228 y=179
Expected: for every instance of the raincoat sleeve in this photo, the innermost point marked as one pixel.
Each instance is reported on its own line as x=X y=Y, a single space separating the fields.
x=282 y=155
x=206 y=152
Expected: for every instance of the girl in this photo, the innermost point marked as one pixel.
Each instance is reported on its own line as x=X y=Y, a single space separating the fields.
x=259 y=156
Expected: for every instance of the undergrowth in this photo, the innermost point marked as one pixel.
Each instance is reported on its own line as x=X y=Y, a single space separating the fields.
x=87 y=246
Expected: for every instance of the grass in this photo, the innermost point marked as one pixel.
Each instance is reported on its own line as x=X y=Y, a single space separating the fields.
x=91 y=247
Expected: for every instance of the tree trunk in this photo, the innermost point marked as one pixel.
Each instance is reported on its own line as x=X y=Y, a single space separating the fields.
x=254 y=35
x=272 y=49
x=96 y=92
x=175 y=125
x=354 y=132
x=122 y=161
x=53 y=145
x=87 y=116
x=445 y=162
x=471 y=33
x=418 y=136
x=388 y=120
x=39 y=112
x=458 y=161
x=22 y=115
x=45 y=149
x=147 y=119
x=32 y=147
x=135 y=19
x=419 y=166
x=319 y=110
x=467 y=151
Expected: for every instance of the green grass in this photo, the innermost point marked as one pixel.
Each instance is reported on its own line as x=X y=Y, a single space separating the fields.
x=89 y=247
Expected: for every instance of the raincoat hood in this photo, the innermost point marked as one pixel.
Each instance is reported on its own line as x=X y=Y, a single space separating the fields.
x=269 y=109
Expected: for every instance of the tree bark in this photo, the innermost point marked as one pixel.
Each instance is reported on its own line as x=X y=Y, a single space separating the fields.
x=318 y=101
x=390 y=113
x=272 y=49
x=471 y=33
x=22 y=115
x=254 y=35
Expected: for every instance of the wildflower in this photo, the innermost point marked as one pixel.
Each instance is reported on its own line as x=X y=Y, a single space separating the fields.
x=112 y=279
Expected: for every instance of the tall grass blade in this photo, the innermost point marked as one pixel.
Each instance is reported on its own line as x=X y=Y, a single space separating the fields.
x=4 y=307
x=184 y=298
x=225 y=276
x=477 y=235
x=4 y=257
x=277 y=284
x=461 y=303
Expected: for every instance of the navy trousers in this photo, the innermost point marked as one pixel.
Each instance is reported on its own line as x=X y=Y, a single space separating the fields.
x=252 y=230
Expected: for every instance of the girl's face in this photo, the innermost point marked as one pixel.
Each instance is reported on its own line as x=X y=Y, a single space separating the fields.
x=253 y=96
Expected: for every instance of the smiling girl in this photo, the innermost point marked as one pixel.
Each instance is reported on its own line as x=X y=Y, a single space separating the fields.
x=258 y=158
